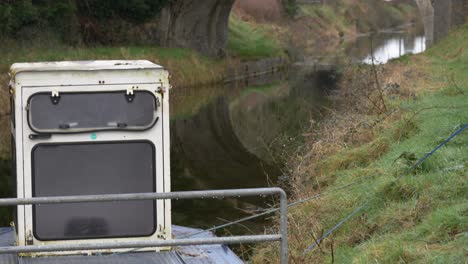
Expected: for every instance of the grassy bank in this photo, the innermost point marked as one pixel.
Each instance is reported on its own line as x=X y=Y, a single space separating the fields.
x=419 y=218
x=250 y=41
x=348 y=16
x=187 y=66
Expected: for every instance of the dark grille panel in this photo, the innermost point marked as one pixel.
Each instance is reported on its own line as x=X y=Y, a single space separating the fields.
x=93 y=168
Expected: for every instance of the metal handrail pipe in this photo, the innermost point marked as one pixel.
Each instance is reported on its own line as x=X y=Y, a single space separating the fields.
x=142 y=196
x=142 y=244
x=212 y=194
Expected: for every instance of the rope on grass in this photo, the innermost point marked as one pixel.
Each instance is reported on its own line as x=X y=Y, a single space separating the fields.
x=310 y=198
x=357 y=210
x=269 y=211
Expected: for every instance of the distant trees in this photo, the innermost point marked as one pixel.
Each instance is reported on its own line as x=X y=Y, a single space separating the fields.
x=71 y=19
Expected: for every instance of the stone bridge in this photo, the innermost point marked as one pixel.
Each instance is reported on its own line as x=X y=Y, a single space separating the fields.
x=440 y=16
x=198 y=24
x=202 y=25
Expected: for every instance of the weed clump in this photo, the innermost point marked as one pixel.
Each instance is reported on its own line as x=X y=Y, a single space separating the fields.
x=405 y=130
x=357 y=157
x=397 y=191
x=445 y=224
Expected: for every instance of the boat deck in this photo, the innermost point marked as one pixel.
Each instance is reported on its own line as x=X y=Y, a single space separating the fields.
x=205 y=254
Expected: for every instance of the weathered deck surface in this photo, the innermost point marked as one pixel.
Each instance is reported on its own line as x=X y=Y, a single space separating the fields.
x=209 y=254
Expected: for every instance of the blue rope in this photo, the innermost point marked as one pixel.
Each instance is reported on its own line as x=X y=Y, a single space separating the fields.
x=434 y=150
x=336 y=227
x=357 y=210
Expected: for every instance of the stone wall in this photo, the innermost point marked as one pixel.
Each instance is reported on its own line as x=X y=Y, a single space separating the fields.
x=256 y=68
x=448 y=14
x=442 y=18
x=427 y=16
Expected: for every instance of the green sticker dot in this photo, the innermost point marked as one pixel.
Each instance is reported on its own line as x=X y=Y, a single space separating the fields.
x=93 y=136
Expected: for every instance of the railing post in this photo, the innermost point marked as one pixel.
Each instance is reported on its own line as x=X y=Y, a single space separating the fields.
x=283 y=227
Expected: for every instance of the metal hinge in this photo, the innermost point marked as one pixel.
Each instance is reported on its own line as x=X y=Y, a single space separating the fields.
x=162 y=232
x=29 y=238
x=161 y=89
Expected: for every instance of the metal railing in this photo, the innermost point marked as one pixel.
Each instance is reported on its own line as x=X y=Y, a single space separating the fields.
x=212 y=194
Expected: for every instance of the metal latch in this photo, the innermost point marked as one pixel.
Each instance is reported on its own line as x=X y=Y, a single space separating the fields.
x=55 y=97
x=130 y=90
x=130 y=94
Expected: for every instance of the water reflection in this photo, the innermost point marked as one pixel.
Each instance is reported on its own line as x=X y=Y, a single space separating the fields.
x=230 y=141
x=394 y=47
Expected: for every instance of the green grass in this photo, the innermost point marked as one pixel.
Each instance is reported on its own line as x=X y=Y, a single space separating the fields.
x=405 y=59
x=325 y=16
x=187 y=67
x=251 y=41
x=261 y=89
x=406 y=8
x=62 y=52
x=423 y=216
x=324 y=12
x=394 y=12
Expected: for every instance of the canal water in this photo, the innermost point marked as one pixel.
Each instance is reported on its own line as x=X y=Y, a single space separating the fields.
x=239 y=135
x=395 y=47
x=234 y=136
x=384 y=46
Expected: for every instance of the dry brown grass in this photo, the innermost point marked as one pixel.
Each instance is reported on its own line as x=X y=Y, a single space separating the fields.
x=413 y=77
x=353 y=121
